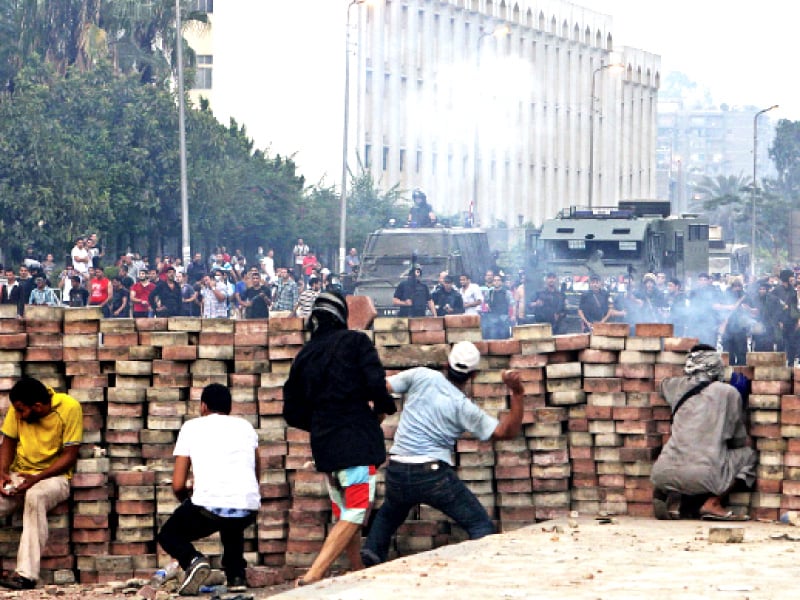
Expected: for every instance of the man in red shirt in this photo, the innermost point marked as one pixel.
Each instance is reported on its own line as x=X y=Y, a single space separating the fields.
x=140 y=296
x=100 y=291
x=309 y=262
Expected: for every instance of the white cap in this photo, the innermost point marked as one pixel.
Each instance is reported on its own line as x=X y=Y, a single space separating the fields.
x=464 y=357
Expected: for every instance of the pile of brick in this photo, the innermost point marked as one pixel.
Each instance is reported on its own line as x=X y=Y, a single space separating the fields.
x=593 y=424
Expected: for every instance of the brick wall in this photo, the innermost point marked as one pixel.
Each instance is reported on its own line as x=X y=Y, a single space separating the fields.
x=593 y=424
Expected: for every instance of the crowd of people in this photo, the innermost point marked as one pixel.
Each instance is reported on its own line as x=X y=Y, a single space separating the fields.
x=223 y=286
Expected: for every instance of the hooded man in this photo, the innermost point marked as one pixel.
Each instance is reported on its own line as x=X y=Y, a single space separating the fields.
x=336 y=390
x=707 y=453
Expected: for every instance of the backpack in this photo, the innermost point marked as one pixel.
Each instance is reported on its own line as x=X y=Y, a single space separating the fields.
x=742 y=385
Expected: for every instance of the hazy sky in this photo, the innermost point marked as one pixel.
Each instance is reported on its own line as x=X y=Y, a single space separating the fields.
x=740 y=50
x=279 y=63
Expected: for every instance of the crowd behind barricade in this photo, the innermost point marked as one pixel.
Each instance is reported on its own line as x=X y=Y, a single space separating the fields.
x=222 y=285
x=731 y=314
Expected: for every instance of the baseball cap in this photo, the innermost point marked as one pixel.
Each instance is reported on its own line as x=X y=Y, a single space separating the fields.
x=464 y=357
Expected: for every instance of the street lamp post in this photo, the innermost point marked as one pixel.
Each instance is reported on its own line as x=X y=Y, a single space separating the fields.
x=591 y=126
x=185 y=244
x=498 y=32
x=343 y=200
x=755 y=190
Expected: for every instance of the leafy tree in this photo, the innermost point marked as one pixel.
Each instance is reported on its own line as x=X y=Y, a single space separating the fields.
x=785 y=153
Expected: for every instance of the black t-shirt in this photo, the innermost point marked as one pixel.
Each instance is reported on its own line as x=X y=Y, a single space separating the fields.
x=78 y=297
x=594 y=306
x=417 y=292
x=261 y=301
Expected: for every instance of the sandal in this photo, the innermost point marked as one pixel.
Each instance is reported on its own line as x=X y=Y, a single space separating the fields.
x=728 y=516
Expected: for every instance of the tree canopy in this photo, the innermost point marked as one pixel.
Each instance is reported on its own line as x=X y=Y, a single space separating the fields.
x=89 y=143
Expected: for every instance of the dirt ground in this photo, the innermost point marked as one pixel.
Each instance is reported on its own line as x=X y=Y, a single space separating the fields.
x=583 y=558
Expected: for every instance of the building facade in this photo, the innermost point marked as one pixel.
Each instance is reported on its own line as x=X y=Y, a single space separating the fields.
x=503 y=112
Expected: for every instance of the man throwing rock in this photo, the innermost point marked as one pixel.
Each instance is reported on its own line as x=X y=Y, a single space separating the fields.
x=707 y=452
x=420 y=471
x=42 y=433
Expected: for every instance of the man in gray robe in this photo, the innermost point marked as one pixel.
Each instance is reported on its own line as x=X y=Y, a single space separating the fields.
x=708 y=452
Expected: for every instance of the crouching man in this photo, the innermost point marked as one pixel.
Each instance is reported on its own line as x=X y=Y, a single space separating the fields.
x=436 y=413
x=42 y=433
x=707 y=453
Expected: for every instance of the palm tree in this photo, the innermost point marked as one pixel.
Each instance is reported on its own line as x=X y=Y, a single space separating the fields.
x=725 y=200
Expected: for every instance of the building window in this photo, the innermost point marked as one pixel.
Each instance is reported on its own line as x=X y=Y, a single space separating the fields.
x=206 y=6
x=367 y=161
x=202 y=79
x=418 y=166
x=385 y=158
x=402 y=159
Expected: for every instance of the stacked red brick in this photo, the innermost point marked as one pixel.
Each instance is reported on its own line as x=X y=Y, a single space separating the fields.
x=789 y=445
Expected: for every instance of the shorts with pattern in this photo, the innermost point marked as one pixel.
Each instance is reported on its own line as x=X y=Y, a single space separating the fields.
x=352 y=492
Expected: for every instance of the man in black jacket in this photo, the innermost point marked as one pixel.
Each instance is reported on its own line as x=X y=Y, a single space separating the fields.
x=447 y=299
x=167 y=299
x=336 y=390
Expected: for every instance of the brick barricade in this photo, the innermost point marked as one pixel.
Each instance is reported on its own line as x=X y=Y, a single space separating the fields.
x=593 y=424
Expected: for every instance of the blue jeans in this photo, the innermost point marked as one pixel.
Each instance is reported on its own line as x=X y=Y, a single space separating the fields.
x=434 y=484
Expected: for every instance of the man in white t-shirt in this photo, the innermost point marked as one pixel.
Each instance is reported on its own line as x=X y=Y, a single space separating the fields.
x=222 y=452
x=471 y=294
x=81 y=258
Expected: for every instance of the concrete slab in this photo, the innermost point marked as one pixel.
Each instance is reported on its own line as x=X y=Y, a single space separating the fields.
x=585 y=558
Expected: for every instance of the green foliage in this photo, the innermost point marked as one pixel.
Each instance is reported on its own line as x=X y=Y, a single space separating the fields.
x=785 y=153
x=726 y=201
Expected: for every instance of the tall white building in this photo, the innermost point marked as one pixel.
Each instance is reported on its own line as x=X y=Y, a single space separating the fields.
x=489 y=106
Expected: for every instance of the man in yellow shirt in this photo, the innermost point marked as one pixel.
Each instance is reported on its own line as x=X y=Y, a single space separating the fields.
x=42 y=433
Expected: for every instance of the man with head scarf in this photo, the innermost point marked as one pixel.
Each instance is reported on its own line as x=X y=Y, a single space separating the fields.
x=707 y=453
x=336 y=390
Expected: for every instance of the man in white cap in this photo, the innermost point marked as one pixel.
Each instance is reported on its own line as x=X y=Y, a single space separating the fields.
x=420 y=471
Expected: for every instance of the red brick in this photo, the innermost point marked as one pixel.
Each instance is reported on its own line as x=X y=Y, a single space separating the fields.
x=604 y=357
x=581 y=452
x=766 y=514
x=638 y=385
x=251 y=339
x=517 y=472
x=90 y=521
x=663 y=371
x=517 y=513
x=649 y=440
x=135 y=507
x=90 y=536
x=675 y=344
x=154 y=324
x=766 y=431
x=131 y=549
x=640 y=509
x=42 y=326
x=77 y=327
x=635 y=371
x=284 y=353
x=790 y=488
x=573 y=341
x=134 y=477
x=120 y=436
x=790 y=402
x=90 y=381
x=584 y=480
x=44 y=355
x=599 y=413
x=14 y=341
x=213 y=338
x=638 y=454
x=770 y=387
x=514 y=486
x=111 y=354
x=631 y=413
x=91 y=494
x=249 y=326
x=611 y=481
x=653 y=330
x=116 y=409
x=179 y=352
x=550 y=485
x=504 y=347
x=635 y=427
x=604 y=384
x=578 y=425
x=81 y=480
x=426 y=324
x=528 y=361
x=11 y=326
x=462 y=322
x=169 y=367
x=611 y=329
x=583 y=466
x=428 y=337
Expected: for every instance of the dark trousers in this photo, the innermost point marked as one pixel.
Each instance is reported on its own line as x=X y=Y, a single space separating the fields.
x=189 y=523
x=434 y=484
